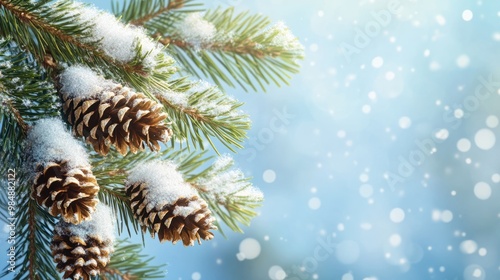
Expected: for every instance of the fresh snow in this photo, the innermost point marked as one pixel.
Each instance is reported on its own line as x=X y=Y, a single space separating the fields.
x=214 y=108
x=224 y=181
x=165 y=184
x=101 y=226
x=217 y=107
x=185 y=211
x=116 y=39
x=195 y=30
x=176 y=98
x=82 y=82
x=51 y=142
x=283 y=37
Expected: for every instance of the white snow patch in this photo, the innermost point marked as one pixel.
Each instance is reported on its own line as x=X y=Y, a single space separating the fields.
x=51 y=142
x=196 y=30
x=191 y=208
x=165 y=185
x=176 y=98
x=82 y=82
x=215 y=107
x=101 y=226
x=116 y=39
x=222 y=181
x=283 y=37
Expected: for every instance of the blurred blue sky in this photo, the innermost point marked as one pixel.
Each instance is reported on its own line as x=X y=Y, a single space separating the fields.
x=386 y=164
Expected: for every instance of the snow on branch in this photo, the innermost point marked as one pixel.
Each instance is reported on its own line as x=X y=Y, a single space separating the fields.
x=223 y=182
x=101 y=226
x=82 y=82
x=49 y=141
x=281 y=36
x=117 y=40
x=205 y=99
x=196 y=31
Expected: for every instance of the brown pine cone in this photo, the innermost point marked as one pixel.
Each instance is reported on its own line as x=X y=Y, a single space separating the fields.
x=120 y=117
x=70 y=192
x=84 y=250
x=187 y=219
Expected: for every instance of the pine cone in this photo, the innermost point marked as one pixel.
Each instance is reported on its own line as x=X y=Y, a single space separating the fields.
x=117 y=116
x=79 y=255
x=188 y=218
x=70 y=192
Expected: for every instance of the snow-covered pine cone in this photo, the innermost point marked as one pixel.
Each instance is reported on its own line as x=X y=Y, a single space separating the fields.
x=62 y=180
x=106 y=113
x=70 y=192
x=166 y=205
x=84 y=250
x=119 y=117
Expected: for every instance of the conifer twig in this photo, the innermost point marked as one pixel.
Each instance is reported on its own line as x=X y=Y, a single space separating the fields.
x=35 y=22
x=245 y=47
x=114 y=271
x=17 y=116
x=172 y=5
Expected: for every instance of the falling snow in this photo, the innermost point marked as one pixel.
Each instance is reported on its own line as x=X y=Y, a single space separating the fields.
x=385 y=163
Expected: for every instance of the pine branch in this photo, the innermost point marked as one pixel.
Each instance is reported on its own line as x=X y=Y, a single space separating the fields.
x=54 y=33
x=33 y=235
x=228 y=193
x=44 y=35
x=26 y=94
x=111 y=172
x=200 y=111
x=172 y=5
x=154 y=12
x=244 y=50
x=23 y=127
x=20 y=13
x=127 y=263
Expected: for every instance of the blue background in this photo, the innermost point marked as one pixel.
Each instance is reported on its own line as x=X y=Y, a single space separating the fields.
x=365 y=165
